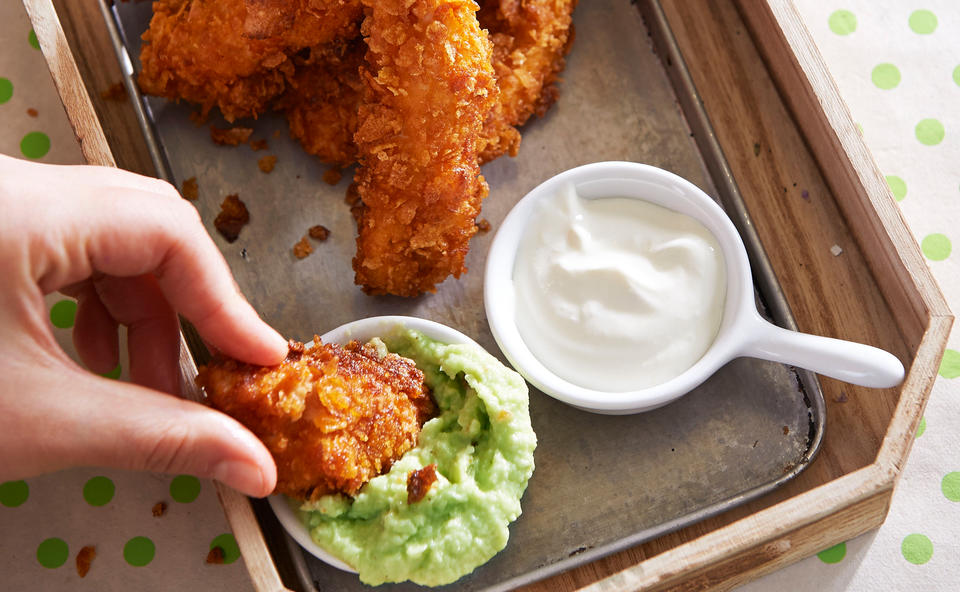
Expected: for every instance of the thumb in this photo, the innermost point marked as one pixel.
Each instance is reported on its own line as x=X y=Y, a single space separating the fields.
x=102 y=422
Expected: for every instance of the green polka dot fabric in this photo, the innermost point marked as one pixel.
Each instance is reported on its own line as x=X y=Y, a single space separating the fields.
x=46 y=521
x=897 y=64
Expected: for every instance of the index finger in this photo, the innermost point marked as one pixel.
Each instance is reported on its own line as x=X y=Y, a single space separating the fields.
x=130 y=231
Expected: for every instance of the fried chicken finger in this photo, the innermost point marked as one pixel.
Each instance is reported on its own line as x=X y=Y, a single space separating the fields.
x=530 y=40
x=332 y=417
x=429 y=88
x=235 y=54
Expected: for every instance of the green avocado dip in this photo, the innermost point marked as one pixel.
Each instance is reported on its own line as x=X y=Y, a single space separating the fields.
x=482 y=444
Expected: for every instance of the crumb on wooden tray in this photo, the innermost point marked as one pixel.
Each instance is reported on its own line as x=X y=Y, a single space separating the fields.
x=199 y=118
x=115 y=92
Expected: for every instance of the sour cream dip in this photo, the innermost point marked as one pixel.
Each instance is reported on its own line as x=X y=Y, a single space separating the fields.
x=617 y=294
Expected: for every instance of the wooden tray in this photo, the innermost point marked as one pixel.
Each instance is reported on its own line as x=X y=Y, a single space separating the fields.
x=807 y=187
x=753 y=426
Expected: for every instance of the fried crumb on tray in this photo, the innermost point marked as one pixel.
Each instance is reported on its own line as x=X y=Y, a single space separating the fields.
x=332 y=176
x=190 y=189
x=302 y=249
x=232 y=218
x=319 y=232
x=159 y=509
x=483 y=225
x=332 y=416
x=32 y=112
x=419 y=482
x=352 y=197
x=199 y=118
x=84 y=559
x=267 y=163
x=231 y=136
x=256 y=145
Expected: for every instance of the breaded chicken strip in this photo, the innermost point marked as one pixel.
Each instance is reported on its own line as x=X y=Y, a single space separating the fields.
x=530 y=39
x=235 y=54
x=429 y=88
x=322 y=100
x=333 y=417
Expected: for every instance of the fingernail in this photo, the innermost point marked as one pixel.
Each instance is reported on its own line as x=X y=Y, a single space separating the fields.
x=241 y=476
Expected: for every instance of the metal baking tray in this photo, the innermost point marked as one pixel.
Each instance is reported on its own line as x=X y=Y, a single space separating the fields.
x=602 y=483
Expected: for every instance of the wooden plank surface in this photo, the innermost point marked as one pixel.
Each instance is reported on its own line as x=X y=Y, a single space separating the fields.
x=873 y=217
x=836 y=296
x=890 y=250
x=798 y=219
x=97 y=64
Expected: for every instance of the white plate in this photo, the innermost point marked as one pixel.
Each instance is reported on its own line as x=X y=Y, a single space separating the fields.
x=362 y=330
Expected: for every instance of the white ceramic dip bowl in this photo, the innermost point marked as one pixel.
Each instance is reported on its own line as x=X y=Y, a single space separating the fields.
x=742 y=333
x=362 y=330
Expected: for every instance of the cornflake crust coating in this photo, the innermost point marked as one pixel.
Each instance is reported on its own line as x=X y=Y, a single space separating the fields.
x=530 y=42
x=322 y=100
x=333 y=416
x=420 y=93
x=235 y=54
x=429 y=87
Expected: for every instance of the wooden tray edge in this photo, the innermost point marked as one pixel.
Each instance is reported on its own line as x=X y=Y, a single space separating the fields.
x=767 y=540
x=894 y=254
x=811 y=93
x=69 y=83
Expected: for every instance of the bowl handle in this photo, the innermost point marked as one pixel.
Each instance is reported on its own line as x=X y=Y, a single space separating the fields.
x=848 y=361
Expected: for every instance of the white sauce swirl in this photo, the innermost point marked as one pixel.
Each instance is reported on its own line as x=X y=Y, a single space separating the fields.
x=617 y=294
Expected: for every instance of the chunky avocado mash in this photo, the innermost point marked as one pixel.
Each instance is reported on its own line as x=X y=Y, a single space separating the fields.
x=482 y=445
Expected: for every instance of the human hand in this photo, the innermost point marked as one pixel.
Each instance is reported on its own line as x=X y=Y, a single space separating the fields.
x=132 y=252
